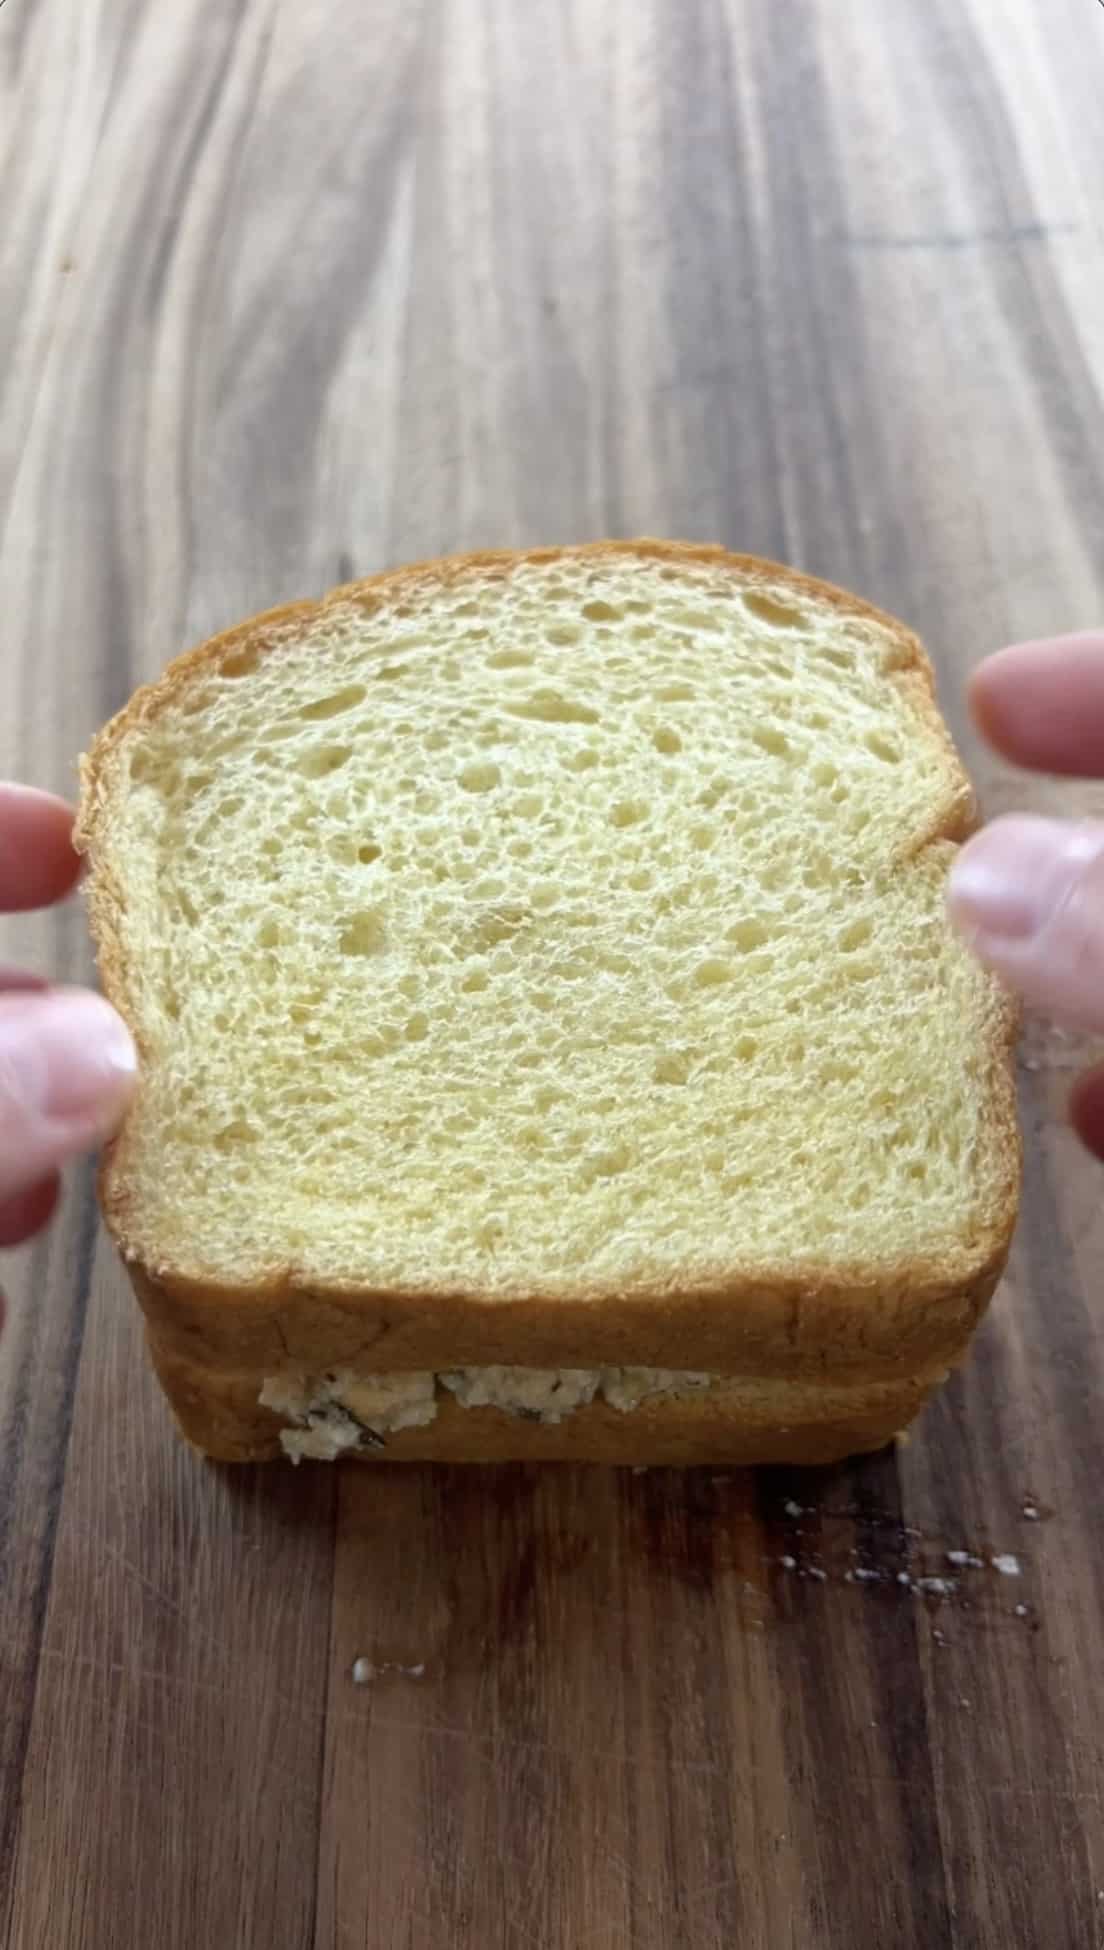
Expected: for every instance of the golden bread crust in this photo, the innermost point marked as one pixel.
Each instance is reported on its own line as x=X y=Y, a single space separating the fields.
x=773 y=1325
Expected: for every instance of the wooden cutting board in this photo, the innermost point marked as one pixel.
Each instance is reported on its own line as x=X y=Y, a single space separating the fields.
x=289 y=291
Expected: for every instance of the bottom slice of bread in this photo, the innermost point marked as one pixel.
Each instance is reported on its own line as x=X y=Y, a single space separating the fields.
x=629 y=1415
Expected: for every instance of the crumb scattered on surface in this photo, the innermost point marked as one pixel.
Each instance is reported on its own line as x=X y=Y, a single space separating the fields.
x=364 y=1671
x=915 y=1563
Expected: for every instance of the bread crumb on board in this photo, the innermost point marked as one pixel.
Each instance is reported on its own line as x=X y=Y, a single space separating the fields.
x=363 y=1670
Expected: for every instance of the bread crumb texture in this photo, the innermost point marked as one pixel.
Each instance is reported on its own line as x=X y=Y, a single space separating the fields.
x=542 y=923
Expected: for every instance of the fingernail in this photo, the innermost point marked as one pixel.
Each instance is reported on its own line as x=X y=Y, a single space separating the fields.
x=67 y=1058
x=1012 y=878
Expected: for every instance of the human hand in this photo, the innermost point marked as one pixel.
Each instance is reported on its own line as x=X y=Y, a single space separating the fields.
x=1028 y=893
x=67 y=1064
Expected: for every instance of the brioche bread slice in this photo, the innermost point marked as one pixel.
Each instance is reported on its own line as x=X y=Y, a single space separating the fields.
x=538 y=962
x=691 y=1418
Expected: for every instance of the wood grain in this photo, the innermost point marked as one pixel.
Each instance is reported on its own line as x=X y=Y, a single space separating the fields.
x=292 y=291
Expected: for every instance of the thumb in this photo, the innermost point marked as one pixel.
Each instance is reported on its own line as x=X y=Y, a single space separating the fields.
x=67 y=1067
x=1028 y=895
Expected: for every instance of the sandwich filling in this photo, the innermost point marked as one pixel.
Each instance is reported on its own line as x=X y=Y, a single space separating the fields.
x=329 y=1414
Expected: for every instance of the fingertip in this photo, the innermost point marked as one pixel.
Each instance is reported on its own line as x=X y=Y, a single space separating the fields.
x=21 y=981
x=1086 y=1110
x=24 y=1214
x=980 y=683
x=995 y=685
x=68 y=1068
x=1027 y=896
x=38 y=861
x=1041 y=704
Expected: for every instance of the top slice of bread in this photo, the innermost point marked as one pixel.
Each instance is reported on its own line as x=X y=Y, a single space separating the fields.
x=542 y=958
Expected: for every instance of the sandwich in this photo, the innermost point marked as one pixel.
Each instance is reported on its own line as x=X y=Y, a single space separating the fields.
x=552 y=1042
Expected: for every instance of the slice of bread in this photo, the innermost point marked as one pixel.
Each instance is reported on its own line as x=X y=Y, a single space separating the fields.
x=241 y=1417
x=539 y=962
